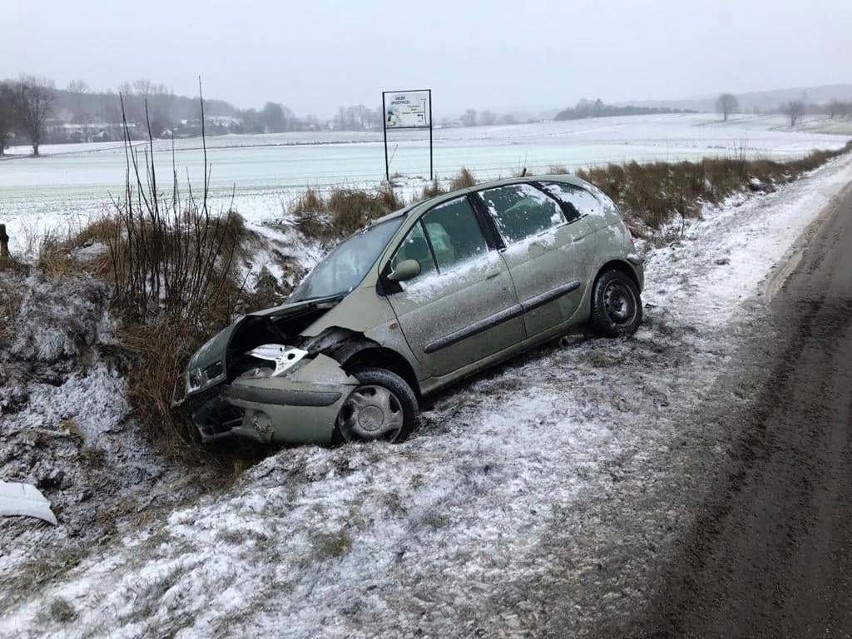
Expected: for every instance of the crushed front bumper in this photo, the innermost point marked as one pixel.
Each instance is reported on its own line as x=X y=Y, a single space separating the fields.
x=299 y=407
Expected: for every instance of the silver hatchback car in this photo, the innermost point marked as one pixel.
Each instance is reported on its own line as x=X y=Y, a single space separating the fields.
x=414 y=302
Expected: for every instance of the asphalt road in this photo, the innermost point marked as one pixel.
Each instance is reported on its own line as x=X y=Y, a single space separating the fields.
x=770 y=553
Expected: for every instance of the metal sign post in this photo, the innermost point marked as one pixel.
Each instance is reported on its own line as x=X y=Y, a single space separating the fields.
x=407 y=110
x=385 y=135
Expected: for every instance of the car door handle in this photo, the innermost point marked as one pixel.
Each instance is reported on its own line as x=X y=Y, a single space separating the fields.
x=491 y=276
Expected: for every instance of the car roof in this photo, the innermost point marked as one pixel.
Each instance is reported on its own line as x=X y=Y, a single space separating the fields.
x=444 y=197
x=438 y=199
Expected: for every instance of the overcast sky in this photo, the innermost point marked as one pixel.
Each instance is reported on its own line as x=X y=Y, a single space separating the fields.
x=315 y=55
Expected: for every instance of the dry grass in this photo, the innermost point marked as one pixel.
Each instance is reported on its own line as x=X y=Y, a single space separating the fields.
x=556 y=169
x=649 y=195
x=61 y=610
x=432 y=189
x=331 y=545
x=61 y=251
x=160 y=350
x=35 y=574
x=71 y=248
x=311 y=214
x=342 y=212
x=10 y=263
x=10 y=303
x=463 y=179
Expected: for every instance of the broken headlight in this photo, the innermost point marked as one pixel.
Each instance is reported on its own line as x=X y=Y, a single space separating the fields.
x=283 y=358
x=197 y=378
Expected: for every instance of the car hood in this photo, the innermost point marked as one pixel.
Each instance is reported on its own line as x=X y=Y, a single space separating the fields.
x=209 y=363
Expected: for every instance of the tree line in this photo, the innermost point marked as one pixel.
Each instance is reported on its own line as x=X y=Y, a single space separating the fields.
x=597 y=109
x=794 y=109
x=32 y=109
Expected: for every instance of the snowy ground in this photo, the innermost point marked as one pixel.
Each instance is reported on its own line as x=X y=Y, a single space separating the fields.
x=266 y=172
x=497 y=518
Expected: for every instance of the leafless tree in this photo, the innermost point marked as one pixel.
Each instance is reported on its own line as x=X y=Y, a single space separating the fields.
x=77 y=86
x=33 y=100
x=487 y=118
x=469 y=118
x=726 y=104
x=7 y=114
x=835 y=107
x=795 y=110
x=77 y=90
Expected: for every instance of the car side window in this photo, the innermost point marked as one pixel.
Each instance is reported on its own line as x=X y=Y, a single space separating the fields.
x=455 y=233
x=577 y=200
x=521 y=211
x=415 y=247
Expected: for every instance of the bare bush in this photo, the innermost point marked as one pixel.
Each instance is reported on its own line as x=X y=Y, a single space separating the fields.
x=557 y=169
x=343 y=212
x=649 y=195
x=432 y=189
x=173 y=266
x=171 y=257
x=463 y=179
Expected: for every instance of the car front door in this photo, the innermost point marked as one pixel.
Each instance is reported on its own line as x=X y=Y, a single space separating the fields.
x=548 y=248
x=462 y=307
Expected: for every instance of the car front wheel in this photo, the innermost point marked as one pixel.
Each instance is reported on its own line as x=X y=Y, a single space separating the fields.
x=382 y=407
x=616 y=305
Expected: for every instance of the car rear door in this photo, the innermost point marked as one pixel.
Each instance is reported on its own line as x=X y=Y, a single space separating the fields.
x=462 y=307
x=549 y=249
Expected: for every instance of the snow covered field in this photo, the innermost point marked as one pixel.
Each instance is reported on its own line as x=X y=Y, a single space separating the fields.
x=266 y=171
x=520 y=488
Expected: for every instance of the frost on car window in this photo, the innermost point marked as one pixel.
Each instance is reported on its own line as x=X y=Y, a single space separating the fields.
x=521 y=211
x=576 y=199
x=607 y=204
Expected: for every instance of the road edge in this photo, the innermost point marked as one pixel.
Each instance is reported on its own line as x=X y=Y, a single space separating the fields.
x=784 y=268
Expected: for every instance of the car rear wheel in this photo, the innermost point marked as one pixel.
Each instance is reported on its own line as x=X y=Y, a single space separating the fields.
x=382 y=408
x=616 y=305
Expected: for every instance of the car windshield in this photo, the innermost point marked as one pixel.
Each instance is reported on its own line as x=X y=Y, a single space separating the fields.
x=345 y=267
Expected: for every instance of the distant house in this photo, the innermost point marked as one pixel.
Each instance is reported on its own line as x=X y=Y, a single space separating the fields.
x=58 y=131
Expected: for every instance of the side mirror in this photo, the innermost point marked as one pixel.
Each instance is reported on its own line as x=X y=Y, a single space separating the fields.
x=404 y=271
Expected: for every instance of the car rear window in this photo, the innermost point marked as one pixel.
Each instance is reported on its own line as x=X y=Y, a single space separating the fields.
x=521 y=211
x=578 y=201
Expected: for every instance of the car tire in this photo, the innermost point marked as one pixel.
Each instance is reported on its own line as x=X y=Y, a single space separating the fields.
x=381 y=400
x=616 y=305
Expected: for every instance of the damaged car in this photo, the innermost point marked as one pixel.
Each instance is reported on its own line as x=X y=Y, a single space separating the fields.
x=416 y=301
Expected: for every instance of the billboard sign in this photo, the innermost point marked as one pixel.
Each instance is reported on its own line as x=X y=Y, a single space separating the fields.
x=407 y=110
